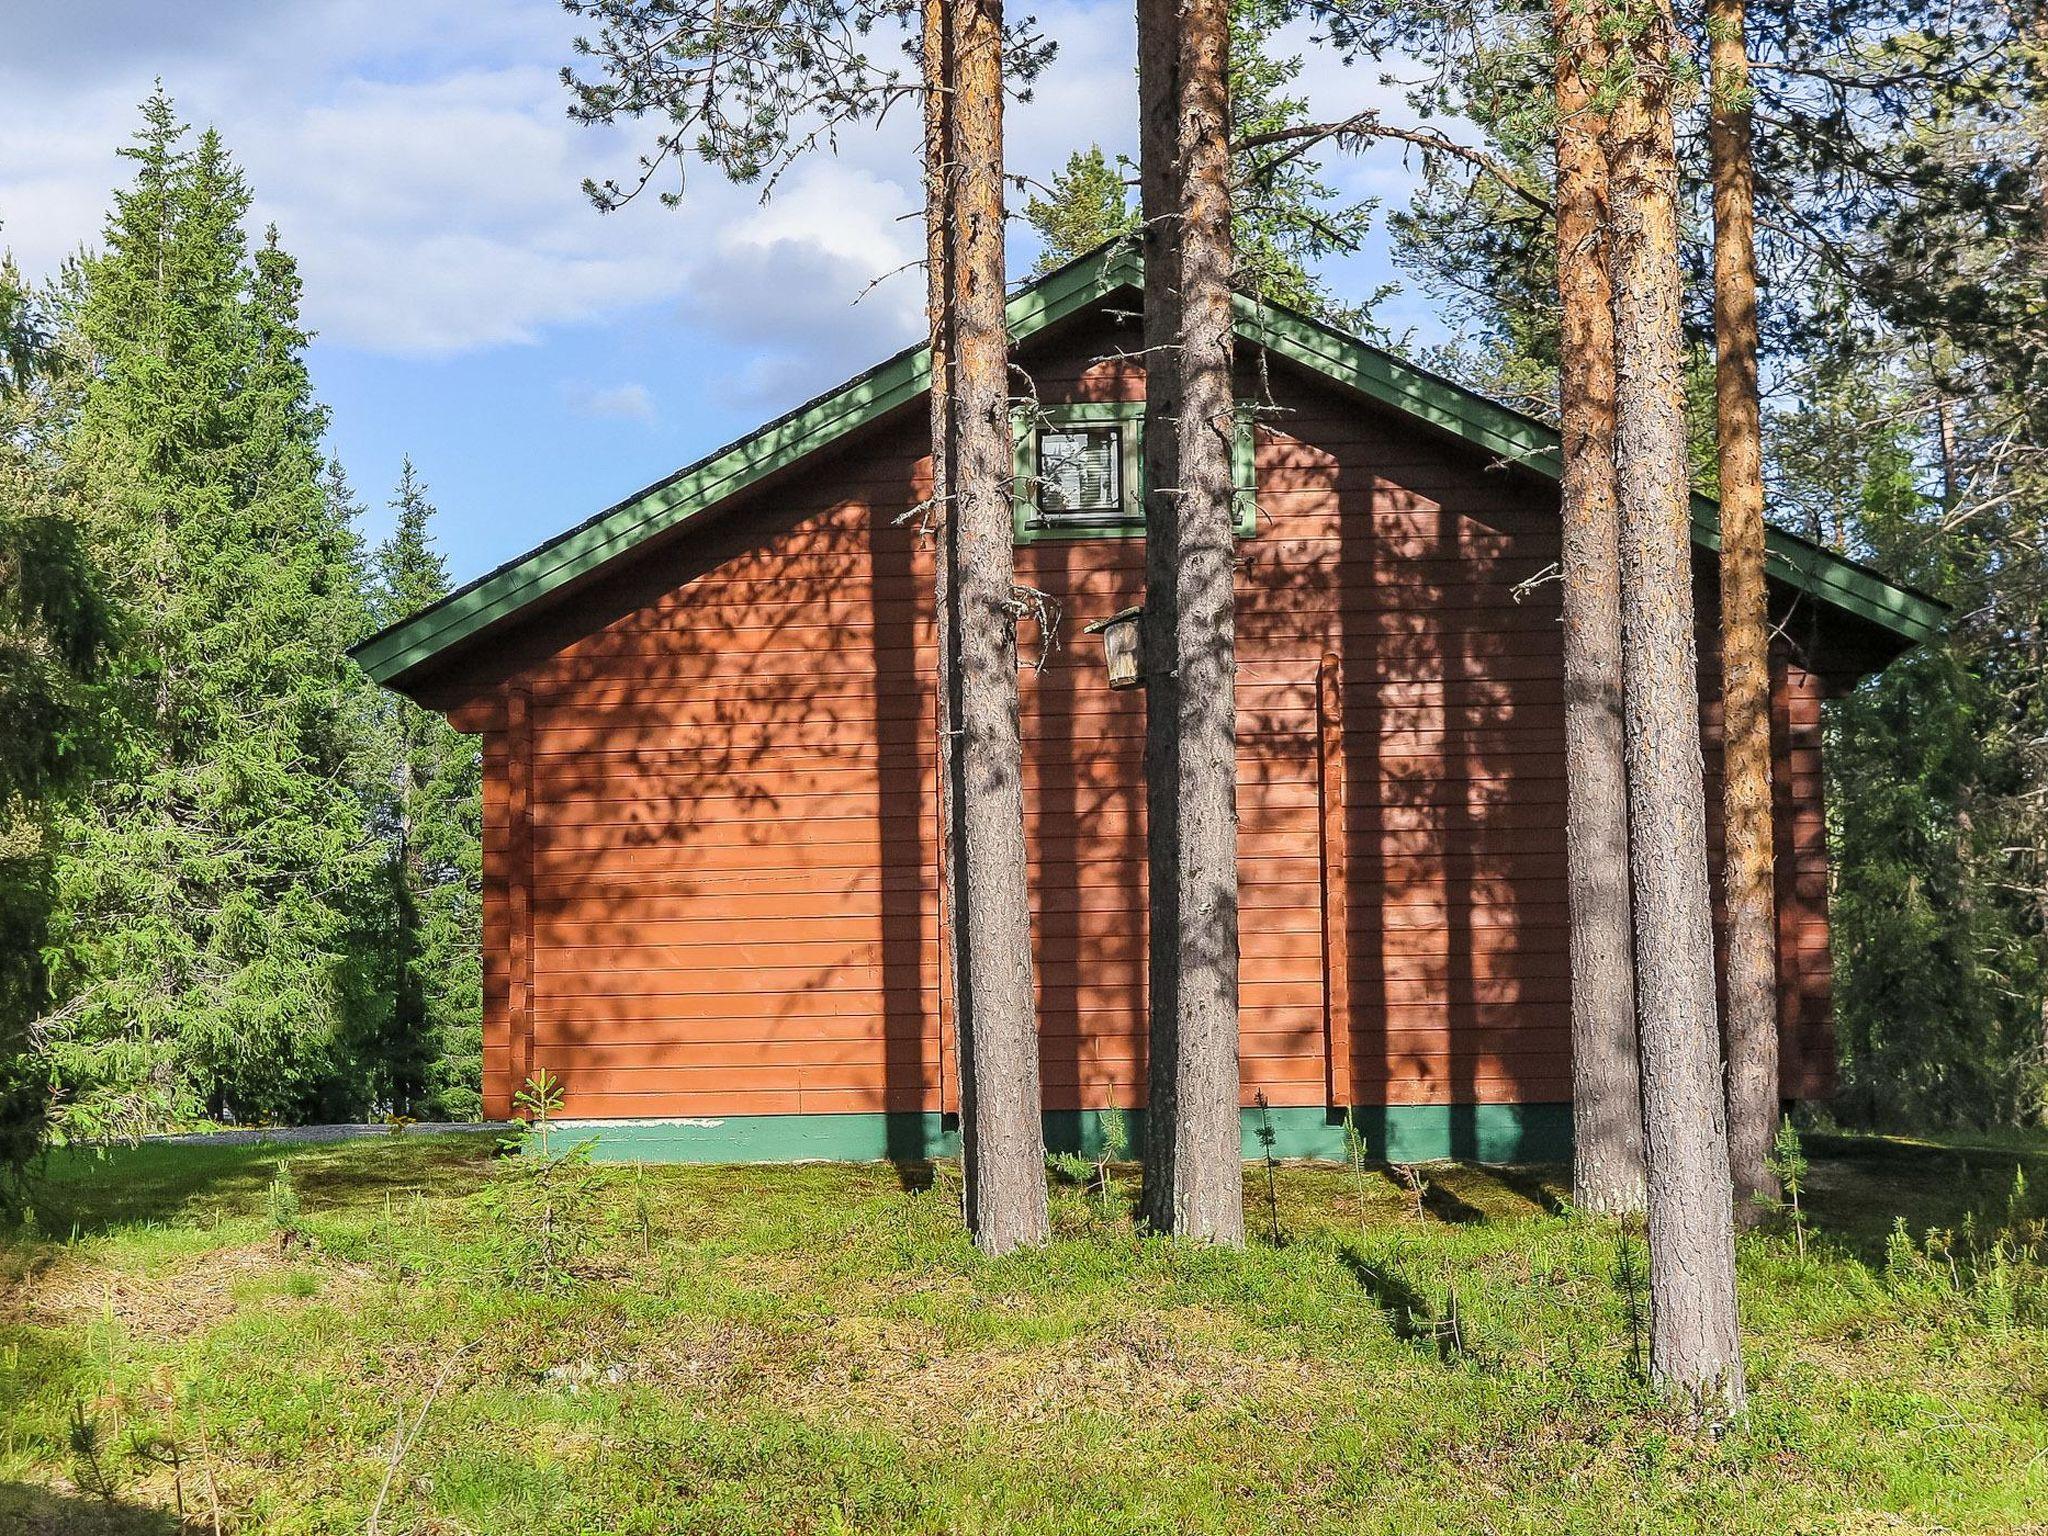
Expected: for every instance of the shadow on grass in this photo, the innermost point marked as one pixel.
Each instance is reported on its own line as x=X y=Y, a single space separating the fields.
x=915 y=1176
x=89 y=1192
x=1858 y=1186
x=1408 y=1312
x=1546 y=1188
x=1439 y=1199
x=31 y=1511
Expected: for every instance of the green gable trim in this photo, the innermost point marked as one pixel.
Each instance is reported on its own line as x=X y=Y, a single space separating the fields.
x=783 y=442
x=1520 y=440
x=1395 y=1133
x=1504 y=434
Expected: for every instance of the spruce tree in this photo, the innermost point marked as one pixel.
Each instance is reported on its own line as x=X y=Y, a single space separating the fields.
x=431 y=1060
x=52 y=628
x=215 y=896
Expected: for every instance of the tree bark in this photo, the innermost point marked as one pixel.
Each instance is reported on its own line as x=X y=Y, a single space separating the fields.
x=1002 y=1131
x=1748 y=867
x=1694 y=1347
x=1194 y=1170
x=934 y=48
x=1607 y=1109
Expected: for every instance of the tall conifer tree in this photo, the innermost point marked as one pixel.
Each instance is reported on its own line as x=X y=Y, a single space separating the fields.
x=1002 y=1136
x=1284 y=215
x=1607 y=1104
x=52 y=627
x=215 y=896
x=1694 y=1348
x=1193 y=1157
x=1748 y=869
x=432 y=816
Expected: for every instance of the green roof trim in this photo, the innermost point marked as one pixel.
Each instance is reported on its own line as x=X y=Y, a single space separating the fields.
x=582 y=551
x=1528 y=443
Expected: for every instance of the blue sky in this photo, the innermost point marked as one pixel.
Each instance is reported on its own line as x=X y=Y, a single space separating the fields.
x=537 y=359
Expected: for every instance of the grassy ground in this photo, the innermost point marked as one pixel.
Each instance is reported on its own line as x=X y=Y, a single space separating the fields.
x=819 y=1349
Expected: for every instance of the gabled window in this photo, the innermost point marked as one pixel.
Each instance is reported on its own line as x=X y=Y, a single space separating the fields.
x=1081 y=472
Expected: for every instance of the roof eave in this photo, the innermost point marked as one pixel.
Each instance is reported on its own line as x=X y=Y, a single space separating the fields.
x=581 y=552
x=500 y=595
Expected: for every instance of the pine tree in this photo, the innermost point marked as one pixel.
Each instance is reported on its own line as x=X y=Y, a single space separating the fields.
x=1086 y=206
x=215 y=897
x=1907 y=229
x=1193 y=1155
x=1284 y=216
x=748 y=89
x=1001 y=1107
x=431 y=1060
x=1607 y=1105
x=1694 y=1347
x=1748 y=866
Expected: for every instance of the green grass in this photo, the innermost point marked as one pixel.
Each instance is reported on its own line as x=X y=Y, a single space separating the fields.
x=820 y=1349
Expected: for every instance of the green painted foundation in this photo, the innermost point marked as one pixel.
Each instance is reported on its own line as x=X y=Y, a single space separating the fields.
x=1398 y=1133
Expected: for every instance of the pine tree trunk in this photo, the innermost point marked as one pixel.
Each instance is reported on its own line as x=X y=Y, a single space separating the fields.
x=1194 y=1174
x=1694 y=1348
x=1002 y=1133
x=1747 y=863
x=938 y=209
x=1607 y=1107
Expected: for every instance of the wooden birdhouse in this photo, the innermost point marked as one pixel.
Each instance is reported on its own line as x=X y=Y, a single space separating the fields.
x=1123 y=645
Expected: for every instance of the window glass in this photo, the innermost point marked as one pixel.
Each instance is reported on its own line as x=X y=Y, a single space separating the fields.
x=1080 y=472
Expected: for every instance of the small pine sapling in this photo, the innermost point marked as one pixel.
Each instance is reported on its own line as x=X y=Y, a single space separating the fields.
x=1631 y=1280
x=1355 y=1155
x=1072 y=1168
x=539 y=1101
x=1788 y=1166
x=1900 y=1256
x=1417 y=1187
x=90 y=1468
x=541 y=1194
x=1116 y=1146
x=1267 y=1138
x=2020 y=1218
x=283 y=1205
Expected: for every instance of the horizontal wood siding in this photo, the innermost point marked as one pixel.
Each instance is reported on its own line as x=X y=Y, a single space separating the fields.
x=732 y=859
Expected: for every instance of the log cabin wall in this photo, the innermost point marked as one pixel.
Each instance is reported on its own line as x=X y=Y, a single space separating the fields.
x=721 y=896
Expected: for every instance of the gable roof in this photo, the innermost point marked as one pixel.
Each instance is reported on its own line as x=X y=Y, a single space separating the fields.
x=499 y=595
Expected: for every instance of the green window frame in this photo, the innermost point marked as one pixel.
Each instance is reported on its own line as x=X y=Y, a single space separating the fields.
x=1128 y=417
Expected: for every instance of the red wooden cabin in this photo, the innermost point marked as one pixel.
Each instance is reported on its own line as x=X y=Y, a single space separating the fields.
x=710 y=814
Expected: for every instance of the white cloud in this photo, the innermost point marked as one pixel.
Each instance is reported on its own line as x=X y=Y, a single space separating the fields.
x=419 y=161
x=417 y=157
x=616 y=402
